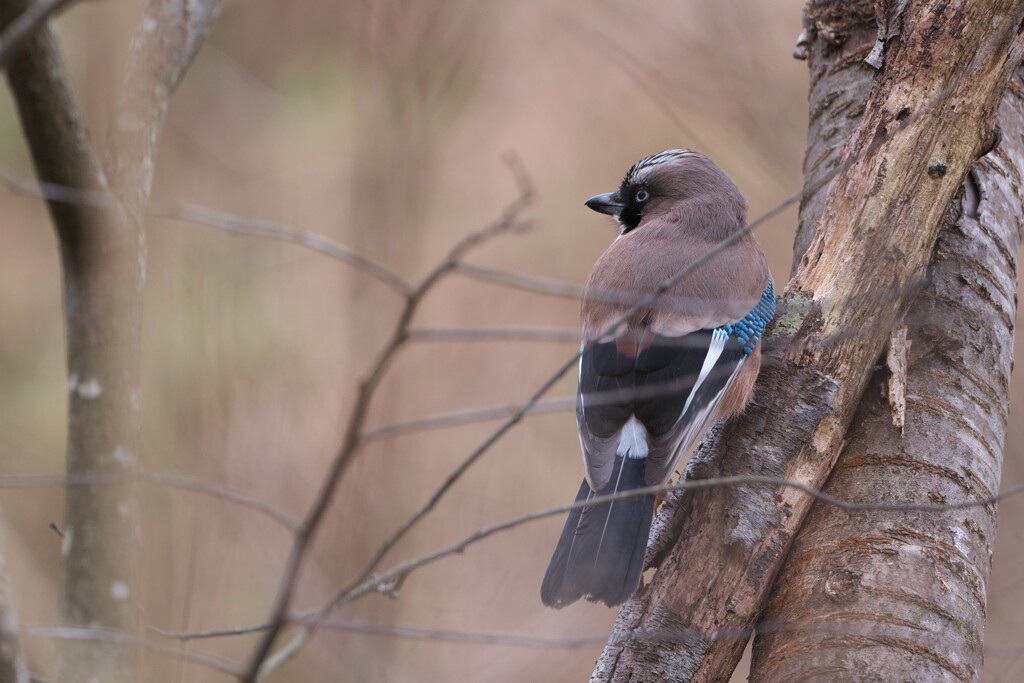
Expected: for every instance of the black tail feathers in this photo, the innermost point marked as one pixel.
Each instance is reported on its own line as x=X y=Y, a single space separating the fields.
x=600 y=555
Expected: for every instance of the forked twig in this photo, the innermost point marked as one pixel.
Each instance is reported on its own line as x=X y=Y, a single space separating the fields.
x=509 y=221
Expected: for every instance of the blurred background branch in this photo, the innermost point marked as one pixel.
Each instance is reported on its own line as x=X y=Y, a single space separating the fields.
x=510 y=221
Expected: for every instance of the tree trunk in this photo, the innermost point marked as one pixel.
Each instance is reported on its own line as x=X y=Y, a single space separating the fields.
x=102 y=278
x=97 y=215
x=946 y=66
x=901 y=595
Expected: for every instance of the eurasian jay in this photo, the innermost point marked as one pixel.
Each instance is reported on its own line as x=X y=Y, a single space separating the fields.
x=651 y=385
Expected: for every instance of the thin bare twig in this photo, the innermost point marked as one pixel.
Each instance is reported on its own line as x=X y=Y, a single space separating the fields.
x=223 y=493
x=474 y=637
x=465 y=417
x=509 y=221
x=529 y=283
x=121 y=638
x=33 y=481
x=56 y=192
x=282 y=233
x=320 y=243
x=389 y=581
x=537 y=334
x=214 y=219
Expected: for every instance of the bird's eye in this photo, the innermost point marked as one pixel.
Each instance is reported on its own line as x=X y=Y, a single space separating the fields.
x=642 y=195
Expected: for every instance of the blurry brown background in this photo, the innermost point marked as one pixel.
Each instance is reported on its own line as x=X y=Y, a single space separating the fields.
x=383 y=125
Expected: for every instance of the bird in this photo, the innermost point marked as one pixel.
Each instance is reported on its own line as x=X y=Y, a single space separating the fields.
x=656 y=373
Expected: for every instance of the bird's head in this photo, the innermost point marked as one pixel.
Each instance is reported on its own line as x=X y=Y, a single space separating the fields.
x=659 y=185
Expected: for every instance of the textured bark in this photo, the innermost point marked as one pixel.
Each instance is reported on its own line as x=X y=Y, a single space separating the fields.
x=840 y=36
x=927 y=120
x=103 y=260
x=892 y=596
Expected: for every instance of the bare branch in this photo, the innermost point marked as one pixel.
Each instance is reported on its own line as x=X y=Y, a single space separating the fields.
x=57 y=193
x=223 y=493
x=282 y=233
x=472 y=637
x=509 y=221
x=529 y=283
x=494 y=334
x=390 y=580
x=25 y=481
x=100 y=635
x=464 y=417
x=239 y=225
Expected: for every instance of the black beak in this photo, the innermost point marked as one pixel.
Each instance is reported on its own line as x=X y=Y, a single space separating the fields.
x=606 y=203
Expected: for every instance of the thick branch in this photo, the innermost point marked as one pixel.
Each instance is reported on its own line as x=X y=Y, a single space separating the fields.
x=879 y=225
x=896 y=595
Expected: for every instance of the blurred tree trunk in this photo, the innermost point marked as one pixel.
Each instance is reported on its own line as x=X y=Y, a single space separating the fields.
x=901 y=595
x=101 y=265
x=97 y=210
x=907 y=147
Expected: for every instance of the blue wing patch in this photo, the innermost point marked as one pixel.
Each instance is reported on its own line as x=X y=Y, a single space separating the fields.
x=749 y=330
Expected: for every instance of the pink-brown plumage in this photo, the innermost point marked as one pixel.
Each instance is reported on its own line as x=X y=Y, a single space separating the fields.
x=652 y=380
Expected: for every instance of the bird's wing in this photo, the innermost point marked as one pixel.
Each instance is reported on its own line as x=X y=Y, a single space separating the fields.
x=654 y=405
x=650 y=388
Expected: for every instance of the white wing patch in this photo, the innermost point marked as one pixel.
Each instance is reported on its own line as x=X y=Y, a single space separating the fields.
x=579 y=373
x=718 y=339
x=696 y=424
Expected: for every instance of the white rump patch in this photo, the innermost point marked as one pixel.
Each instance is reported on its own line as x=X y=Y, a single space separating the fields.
x=632 y=440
